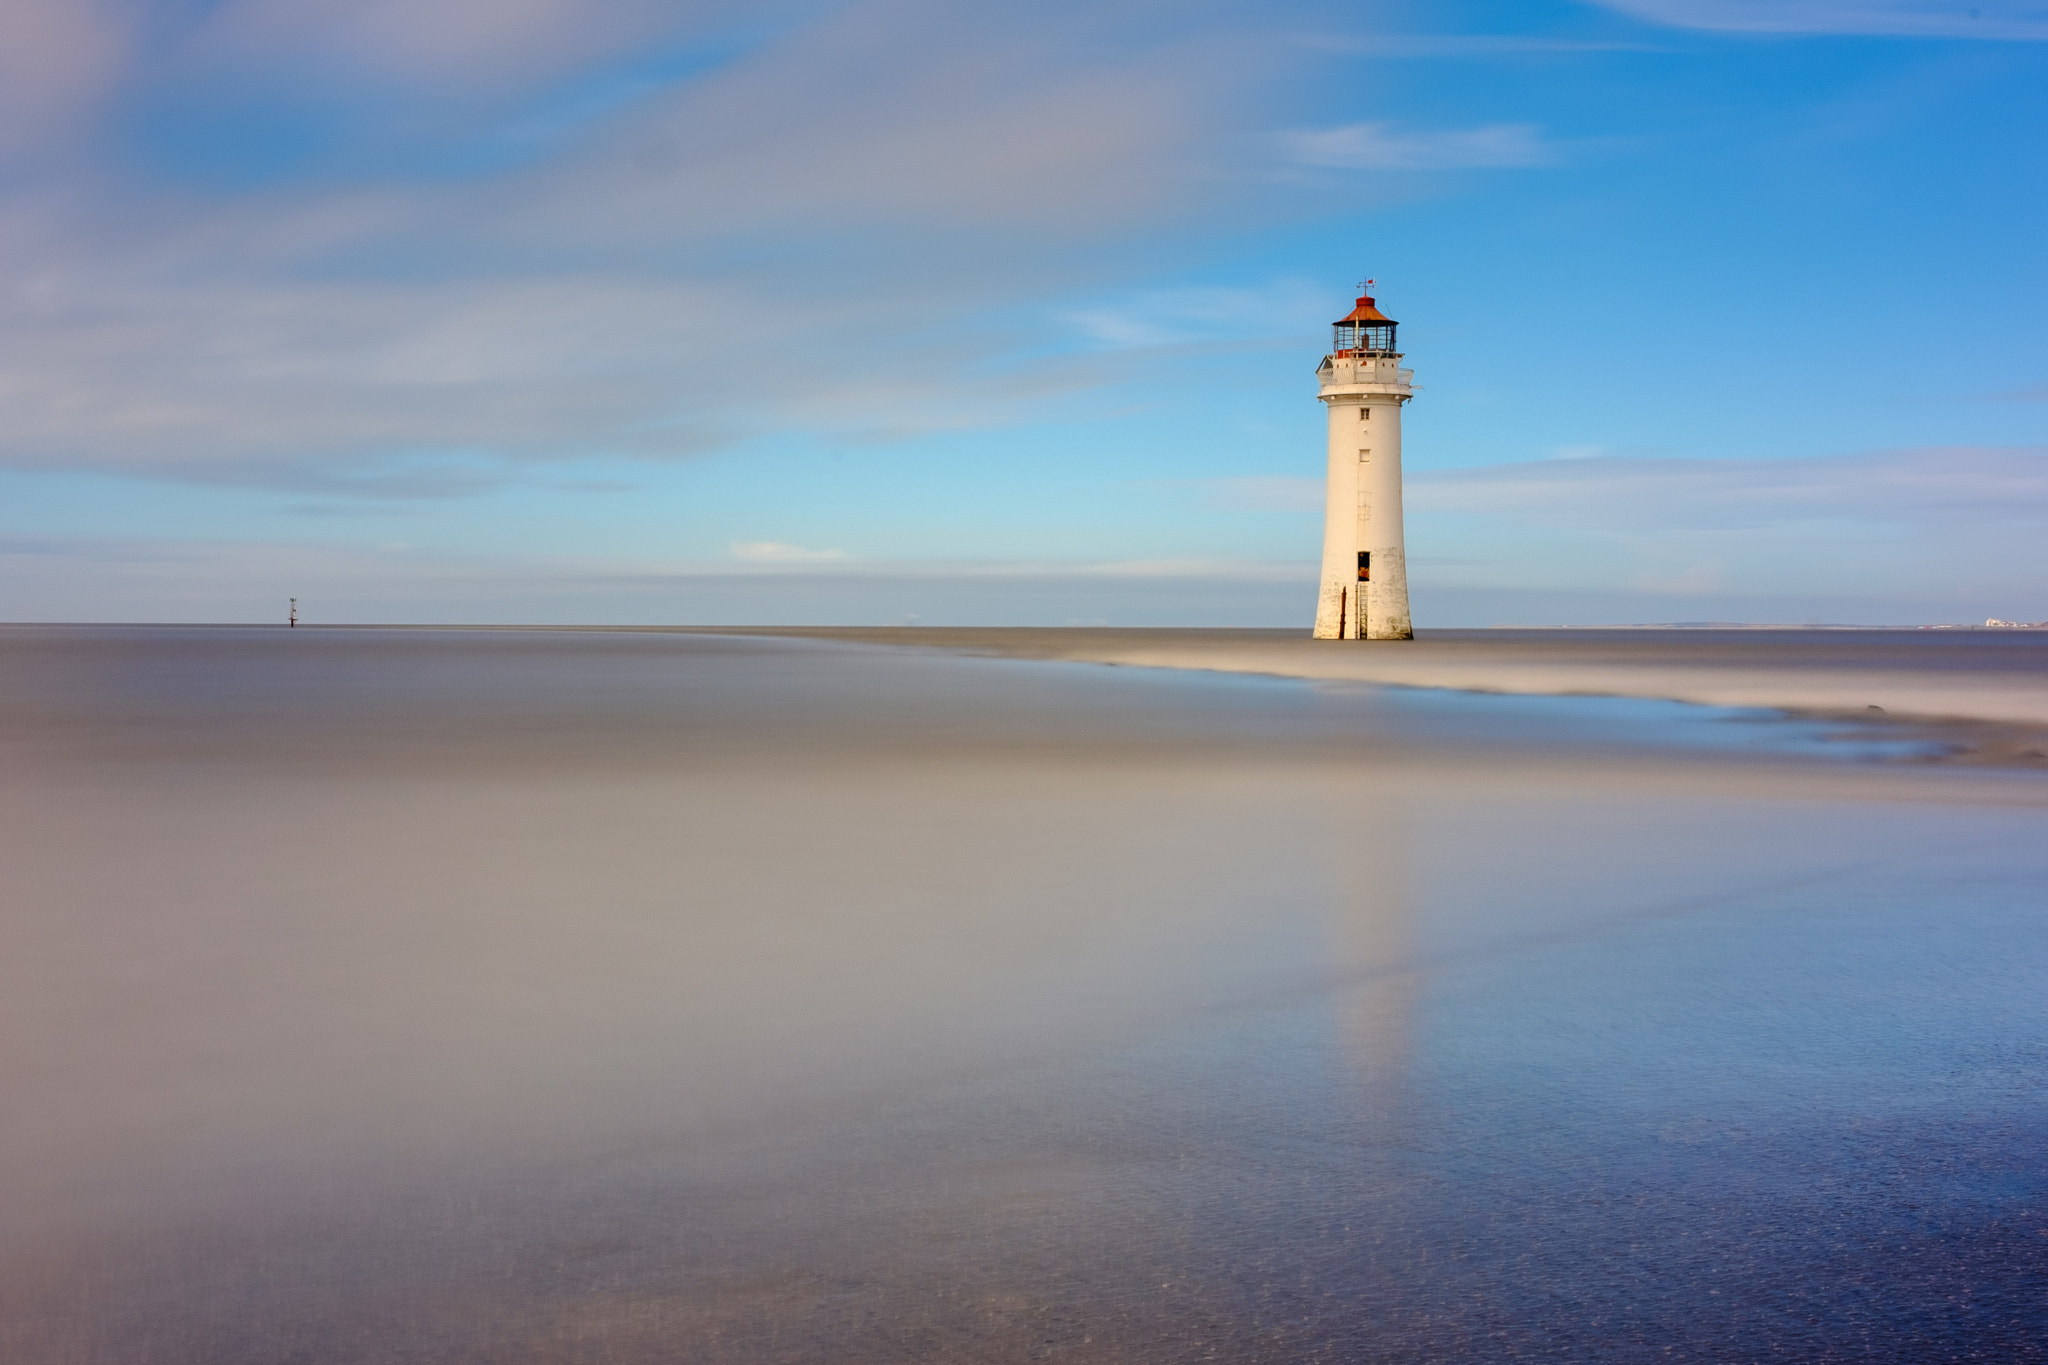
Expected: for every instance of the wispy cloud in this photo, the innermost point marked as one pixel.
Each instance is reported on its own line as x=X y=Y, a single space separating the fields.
x=1694 y=580
x=636 y=287
x=1464 y=45
x=58 y=59
x=1170 y=317
x=776 y=552
x=1981 y=485
x=2002 y=20
x=1388 y=147
x=1592 y=487
x=470 y=42
x=1202 y=569
x=98 y=579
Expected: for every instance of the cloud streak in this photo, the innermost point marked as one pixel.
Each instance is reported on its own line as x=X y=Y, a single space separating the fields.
x=1187 y=316
x=1459 y=46
x=1387 y=147
x=791 y=237
x=490 y=43
x=776 y=552
x=1972 y=485
x=1998 y=20
x=100 y=579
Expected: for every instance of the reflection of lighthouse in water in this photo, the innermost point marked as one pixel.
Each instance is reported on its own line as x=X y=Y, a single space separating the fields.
x=1365 y=565
x=1375 y=995
x=1372 y=947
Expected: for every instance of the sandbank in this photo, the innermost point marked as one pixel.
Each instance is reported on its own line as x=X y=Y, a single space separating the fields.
x=1988 y=690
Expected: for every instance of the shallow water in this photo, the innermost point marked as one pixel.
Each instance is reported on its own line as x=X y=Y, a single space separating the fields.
x=465 y=996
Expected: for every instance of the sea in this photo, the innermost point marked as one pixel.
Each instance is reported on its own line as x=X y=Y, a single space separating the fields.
x=418 y=995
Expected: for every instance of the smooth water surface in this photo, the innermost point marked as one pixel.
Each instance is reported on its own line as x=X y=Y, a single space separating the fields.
x=528 y=996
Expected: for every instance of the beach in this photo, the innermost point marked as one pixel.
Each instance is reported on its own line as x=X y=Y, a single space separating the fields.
x=654 y=995
x=1995 y=683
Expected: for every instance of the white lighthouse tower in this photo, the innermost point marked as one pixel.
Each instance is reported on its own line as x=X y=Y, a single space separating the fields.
x=1365 y=565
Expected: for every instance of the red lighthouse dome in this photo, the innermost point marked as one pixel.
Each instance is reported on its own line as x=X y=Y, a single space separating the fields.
x=1365 y=330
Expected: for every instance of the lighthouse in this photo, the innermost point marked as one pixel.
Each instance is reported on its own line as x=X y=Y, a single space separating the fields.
x=1365 y=564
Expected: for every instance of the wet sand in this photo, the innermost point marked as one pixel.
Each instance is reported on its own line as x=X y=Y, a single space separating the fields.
x=1983 y=694
x=466 y=996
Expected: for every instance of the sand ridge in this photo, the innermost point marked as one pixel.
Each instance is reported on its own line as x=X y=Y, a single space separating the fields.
x=1988 y=690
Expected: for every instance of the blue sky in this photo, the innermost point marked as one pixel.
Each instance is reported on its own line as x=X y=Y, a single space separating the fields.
x=616 y=310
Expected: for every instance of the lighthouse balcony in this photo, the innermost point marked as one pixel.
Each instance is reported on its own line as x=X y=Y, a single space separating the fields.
x=1375 y=365
x=1379 y=372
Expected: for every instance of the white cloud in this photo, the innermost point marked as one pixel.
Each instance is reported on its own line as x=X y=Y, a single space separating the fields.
x=68 y=579
x=1170 y=317
x=492 y=41
x=58 y=58
x=839 y=189
x=65 y=579
x=775 y=552
x=1462 y=45
x=1386 y=147
x=1695 y=580
x=1203 y=569
x=1585 y=487
x=2011 y=20
x=1975 y=485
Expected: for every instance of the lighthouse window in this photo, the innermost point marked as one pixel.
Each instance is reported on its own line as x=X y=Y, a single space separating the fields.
x=1365 y=566
x=1365 y=414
